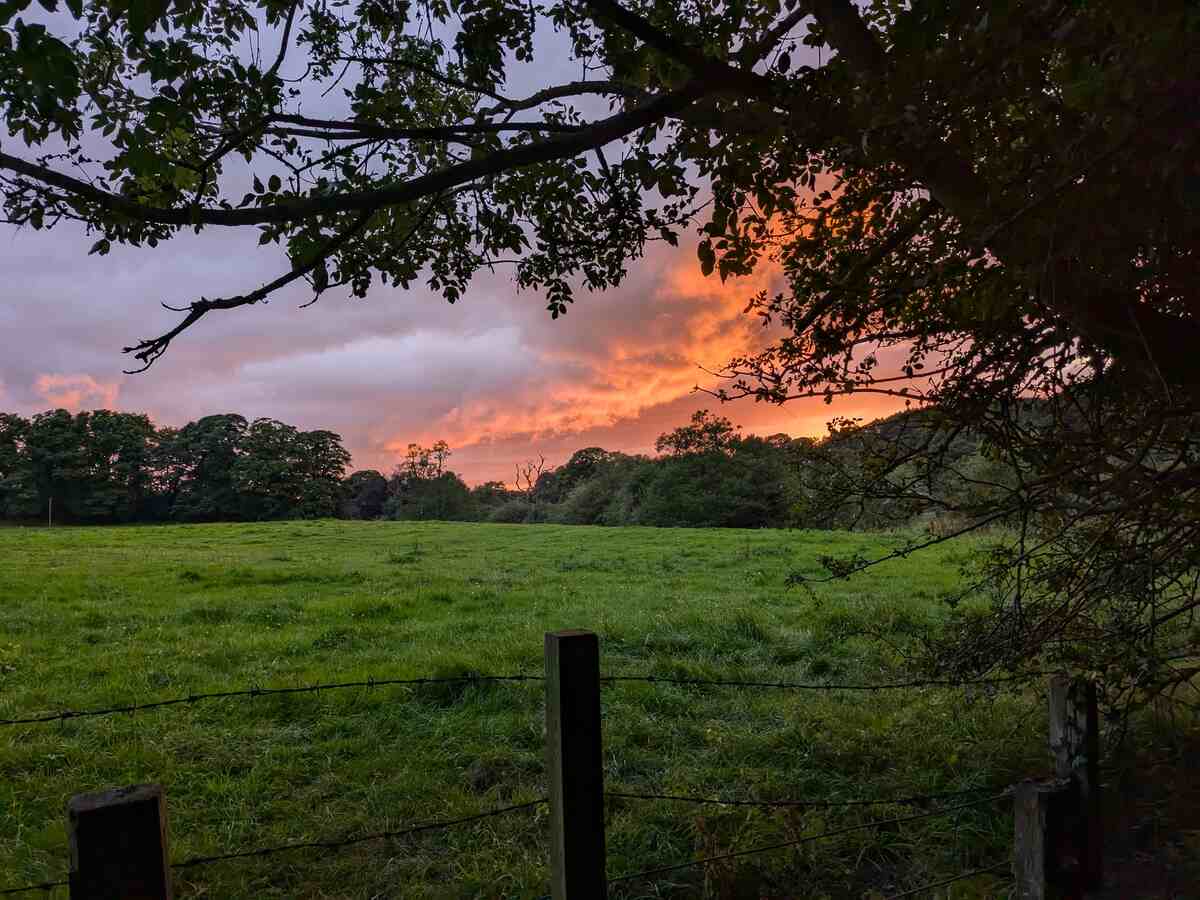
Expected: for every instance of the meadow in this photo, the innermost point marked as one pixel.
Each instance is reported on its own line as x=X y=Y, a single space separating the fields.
x=101 y=616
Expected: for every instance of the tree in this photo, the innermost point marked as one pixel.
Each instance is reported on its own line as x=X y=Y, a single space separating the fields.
x=282 y=472
x=117 y=453
x=14 y=474
x=972 y=203
x=363 y=495
x=202 y=456
x=706 y=434
x=424 y=462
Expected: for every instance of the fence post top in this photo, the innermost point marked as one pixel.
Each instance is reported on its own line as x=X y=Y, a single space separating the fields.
x=570 y=633
x=136 y=793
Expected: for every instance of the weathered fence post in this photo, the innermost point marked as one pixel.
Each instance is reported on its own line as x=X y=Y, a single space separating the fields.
x=1075 y=743
x=1031 y=838
x=118 y=842
x=574 y=762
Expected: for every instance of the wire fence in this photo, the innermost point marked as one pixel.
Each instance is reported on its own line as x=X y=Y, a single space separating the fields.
x=918 y=800
x=807 y=839
x=42 y=886
x=256 y=691
x=336 y=844
x=826 y=686
x=341 y=843
x=962 y=876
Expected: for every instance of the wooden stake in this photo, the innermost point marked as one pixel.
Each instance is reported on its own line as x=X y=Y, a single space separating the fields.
x=574 y=764
x=118 y=842
x=1030 y=840
x=1075 y=743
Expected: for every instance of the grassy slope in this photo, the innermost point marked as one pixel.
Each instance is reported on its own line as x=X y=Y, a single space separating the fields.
x=91 y=617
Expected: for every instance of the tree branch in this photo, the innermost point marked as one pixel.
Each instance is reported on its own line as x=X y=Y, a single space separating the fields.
x=558 y=92
x=701 y=65
x=560 y=147
x=341 y=129
x=149 y=350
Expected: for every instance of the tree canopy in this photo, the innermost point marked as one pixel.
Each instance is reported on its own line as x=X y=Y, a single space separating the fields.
x=973 y=204
x=102 y=467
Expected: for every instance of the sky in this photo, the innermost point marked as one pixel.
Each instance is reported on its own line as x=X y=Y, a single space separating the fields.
x=493 y=375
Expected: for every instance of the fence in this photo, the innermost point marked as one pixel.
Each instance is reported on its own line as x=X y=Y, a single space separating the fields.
x=119 y=839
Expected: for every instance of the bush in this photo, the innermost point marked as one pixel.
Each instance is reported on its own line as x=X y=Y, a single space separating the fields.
x=512 y=512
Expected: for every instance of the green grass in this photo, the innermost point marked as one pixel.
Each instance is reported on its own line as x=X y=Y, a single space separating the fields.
x=90 y=617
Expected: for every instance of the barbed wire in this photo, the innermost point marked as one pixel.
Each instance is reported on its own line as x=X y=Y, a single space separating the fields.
x=862 y=826
x=912 y=892
x=337 y=844
x=915 y=800
x=257 y=692
x=825 y=686
x=46 y=886
x=360 y=839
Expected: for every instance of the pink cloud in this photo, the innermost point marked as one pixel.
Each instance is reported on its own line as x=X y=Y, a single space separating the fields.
x=76 y=392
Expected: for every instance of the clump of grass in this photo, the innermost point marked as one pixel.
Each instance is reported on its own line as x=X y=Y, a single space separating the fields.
x=334 y=639
x=408 y=557
x=451 y=685
x=206 y=614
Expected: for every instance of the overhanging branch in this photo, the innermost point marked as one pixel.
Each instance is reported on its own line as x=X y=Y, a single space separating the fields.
x=559 y=147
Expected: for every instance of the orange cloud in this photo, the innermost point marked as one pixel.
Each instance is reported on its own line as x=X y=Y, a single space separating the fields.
x=631 y=361
x=76 y=392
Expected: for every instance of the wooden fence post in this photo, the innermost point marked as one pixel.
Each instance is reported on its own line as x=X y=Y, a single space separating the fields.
x=1032 y=844
x=574 y=764
x=118 y=842
x=1075 y=743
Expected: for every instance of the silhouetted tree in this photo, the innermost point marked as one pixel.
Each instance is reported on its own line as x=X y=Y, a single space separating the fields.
x=364 y=494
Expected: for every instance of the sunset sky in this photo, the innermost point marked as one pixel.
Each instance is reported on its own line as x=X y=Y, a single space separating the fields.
x=493 y=375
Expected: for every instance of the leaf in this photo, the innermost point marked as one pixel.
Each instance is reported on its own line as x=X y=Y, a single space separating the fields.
x=708 y=259
x=274 y=183
x=258 y=186
x=101 y=247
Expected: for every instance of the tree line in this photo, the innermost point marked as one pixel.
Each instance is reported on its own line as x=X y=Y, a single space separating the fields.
x=102 y=467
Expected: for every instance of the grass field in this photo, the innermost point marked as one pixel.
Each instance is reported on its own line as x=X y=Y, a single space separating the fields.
x=91 y=617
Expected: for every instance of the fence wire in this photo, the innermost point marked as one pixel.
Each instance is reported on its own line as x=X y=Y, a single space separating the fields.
x=863 y=826
x=912 y=892
x=916 y=800
x=338 y=844
x=257 y=692
x=45 y=886
x=824 y=686
x=360 y=839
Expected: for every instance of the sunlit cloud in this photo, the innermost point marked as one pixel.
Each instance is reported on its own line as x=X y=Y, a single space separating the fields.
x=76 y=392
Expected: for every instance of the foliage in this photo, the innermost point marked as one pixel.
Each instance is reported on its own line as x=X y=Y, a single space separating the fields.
x=444 y=497
x=363 y=495
x=108 y=467
x=706 y=435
